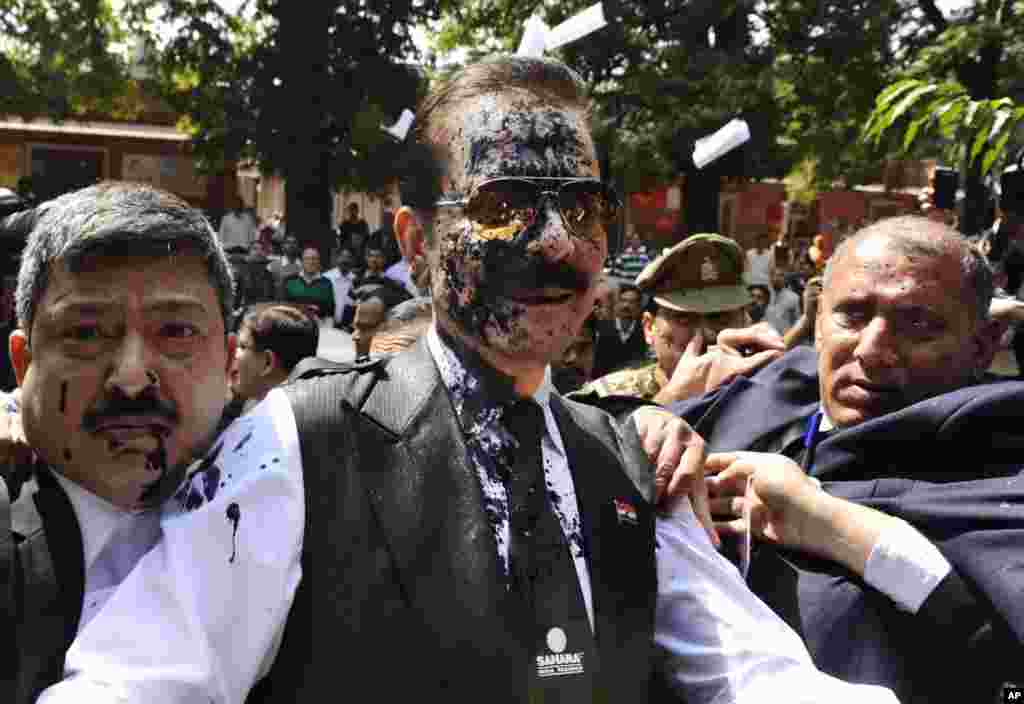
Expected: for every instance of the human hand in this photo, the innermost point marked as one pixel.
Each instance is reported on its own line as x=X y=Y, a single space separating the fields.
x=14 y=448
x=699 y=371
x=782 y=501
x=812 y=294
x=677 y=453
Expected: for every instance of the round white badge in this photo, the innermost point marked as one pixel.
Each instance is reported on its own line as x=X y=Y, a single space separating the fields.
x=557 y=640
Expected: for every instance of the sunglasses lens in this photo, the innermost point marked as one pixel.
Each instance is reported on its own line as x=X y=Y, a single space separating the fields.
x=587 y=205
x=502 y=204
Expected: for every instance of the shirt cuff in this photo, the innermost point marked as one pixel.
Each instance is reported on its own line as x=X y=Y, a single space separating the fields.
x=905 y=566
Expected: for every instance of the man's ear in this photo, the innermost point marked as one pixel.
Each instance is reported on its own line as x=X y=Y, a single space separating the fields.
x=648 y=321
x=409 y=231
x=21 y=354
x=270 y=363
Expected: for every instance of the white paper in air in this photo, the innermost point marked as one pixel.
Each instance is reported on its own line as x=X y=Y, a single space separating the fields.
x=534 y=38
x=401 y=128
x=576 y=27
x=717 y=145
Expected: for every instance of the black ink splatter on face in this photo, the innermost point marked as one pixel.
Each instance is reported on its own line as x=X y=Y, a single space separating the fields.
x=243 y=441
x=156 y=461
x=67 y=455
x=234 y=514
x=527 y=143
x=63 y=396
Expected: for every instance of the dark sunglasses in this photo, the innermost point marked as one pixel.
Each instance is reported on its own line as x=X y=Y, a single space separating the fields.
x=583 y=203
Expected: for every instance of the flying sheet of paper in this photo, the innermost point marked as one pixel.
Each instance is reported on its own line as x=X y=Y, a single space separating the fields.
x=400 y=129
x=717 y=145
x=576 y=27
x=534 y=39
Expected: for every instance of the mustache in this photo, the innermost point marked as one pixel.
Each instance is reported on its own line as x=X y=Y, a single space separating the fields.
x=511 y=269
x=119 y=406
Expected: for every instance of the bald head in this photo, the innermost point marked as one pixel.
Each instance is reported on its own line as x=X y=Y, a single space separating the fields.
x=920 y=239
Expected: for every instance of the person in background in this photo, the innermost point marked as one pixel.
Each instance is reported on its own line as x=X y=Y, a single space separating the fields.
x=621 y=340
x=342 y=277
x=628 y=264
x=310 y=287
x=354 y=232
x=370 y=314
x=272 y=339
x=759 y=297
x=697 y=293
x=238 y=229
x=783 y=309
x=760 y=260
x=376 y=261
x=802 y=332
x=290 y=262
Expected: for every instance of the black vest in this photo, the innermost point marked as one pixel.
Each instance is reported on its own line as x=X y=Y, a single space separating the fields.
x=400 y=594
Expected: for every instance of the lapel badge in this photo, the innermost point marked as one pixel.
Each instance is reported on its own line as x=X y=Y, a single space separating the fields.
x=626 y=513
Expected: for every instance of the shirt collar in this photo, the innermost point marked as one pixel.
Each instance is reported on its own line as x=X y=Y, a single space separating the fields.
x=97 y=517
x=479 y=394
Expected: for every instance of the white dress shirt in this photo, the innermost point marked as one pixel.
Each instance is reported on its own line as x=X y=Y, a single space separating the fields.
x=342 y=284
x=113 y=540
x=190 y=625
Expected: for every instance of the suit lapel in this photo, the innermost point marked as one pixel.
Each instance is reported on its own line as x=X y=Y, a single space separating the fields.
x=429 y=502
x=54 y=573
x=612 y=542
x=762 y=406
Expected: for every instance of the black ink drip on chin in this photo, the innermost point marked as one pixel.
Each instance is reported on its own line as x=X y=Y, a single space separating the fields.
x=63 y=396
x=234 y=514
x=156 y=461
x=67 y=455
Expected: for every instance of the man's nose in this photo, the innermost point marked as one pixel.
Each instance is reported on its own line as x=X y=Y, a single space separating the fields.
x=134 y=367
x=553 y=241
x=877 y=347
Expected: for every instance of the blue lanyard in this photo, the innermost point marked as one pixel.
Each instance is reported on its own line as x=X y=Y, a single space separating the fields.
x=810 y=438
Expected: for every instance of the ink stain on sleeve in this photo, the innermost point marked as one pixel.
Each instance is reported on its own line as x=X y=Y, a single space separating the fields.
x=63 y=396
x=241 y=443
x=191 y=495
x=234 y=515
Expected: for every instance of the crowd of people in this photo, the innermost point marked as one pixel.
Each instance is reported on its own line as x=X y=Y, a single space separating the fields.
x=702 y=475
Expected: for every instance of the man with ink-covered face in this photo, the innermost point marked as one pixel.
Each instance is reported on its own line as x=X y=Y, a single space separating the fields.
x=515 y=293
x=476 y=536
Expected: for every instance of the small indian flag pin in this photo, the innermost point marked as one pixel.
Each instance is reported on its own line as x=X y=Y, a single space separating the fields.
x=626 y=512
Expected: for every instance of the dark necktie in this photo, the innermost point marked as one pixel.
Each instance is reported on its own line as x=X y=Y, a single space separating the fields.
x=542 y=576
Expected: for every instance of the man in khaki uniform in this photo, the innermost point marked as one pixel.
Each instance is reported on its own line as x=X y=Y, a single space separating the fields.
x=697 y=292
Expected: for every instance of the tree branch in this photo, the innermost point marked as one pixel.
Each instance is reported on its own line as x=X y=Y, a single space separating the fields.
x=934 y=14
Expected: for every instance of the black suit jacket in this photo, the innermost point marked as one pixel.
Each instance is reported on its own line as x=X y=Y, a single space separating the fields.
x=951 y=466
x=46 y=589
x=611 y=353
x=401 y=593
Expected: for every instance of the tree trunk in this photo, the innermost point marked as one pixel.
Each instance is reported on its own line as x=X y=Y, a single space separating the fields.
x=304 y=44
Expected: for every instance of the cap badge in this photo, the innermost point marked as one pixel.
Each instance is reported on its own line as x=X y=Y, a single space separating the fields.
x=708 y=270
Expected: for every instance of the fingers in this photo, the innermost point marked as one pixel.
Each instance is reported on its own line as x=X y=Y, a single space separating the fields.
x=755 y=361
x=695 y=347
x=760 y=336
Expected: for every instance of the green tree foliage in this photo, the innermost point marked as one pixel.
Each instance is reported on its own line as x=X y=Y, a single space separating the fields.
x=300 y=87
x=961 y=95
x=56 y=58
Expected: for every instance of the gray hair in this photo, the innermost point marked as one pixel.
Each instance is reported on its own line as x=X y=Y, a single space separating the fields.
x=112 y=218
x=918 y=237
